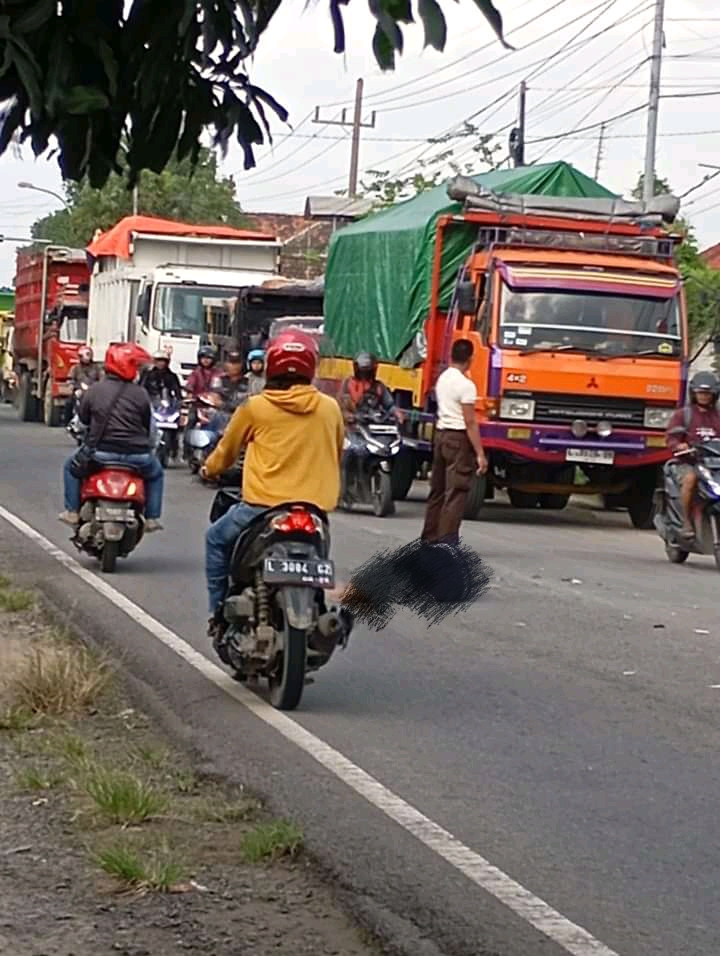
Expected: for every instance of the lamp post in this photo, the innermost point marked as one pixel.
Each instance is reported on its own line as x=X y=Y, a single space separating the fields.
x=41 y=189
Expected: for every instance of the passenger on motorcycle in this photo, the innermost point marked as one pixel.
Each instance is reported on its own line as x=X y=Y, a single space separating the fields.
x=294 y=438
x=361 y=394
x=201 y=377
x=86 y=372
x=255 y=377
x=696 y=422
x=160 y=376
x=118 y=415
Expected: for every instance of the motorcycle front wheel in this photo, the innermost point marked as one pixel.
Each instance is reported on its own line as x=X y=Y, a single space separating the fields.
x=288 y=680
x=382 y=494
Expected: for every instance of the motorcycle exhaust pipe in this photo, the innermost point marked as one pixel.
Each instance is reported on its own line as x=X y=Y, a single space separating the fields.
x=327 y=632
x=329 y=624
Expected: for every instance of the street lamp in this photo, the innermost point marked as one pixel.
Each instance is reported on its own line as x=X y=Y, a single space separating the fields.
x=41 y=189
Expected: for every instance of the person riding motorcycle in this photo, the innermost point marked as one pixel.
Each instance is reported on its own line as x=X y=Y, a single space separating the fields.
x=86 y=372
x=160 y=376
x=294 y=439
x=201 y=377
x=361 y=394
x=231 y=384
x=118 y=417
x=698 y=421
x=255 y=376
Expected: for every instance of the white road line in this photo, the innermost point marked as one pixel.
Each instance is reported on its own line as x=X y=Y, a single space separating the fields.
x=572 y=938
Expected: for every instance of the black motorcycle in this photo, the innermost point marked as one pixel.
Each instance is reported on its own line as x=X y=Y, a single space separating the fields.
x=367 y=473
x=278 y=625
x=705 y=517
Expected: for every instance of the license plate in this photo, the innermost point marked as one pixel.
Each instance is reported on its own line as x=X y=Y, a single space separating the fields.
x=590 y=456
x=299 y=571
x=103 y=513
x=167 y=426
x=65 y=388
x=382 y=429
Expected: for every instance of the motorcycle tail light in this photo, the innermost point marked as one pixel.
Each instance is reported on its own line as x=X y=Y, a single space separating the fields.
x=132 y=488
x=296 y=520
x=113 y=487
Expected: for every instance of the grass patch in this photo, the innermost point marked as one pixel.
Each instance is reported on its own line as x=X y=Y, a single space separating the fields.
x=271 y=841
x=157 y=869
x=155 y=757
x=15 y=600
x=4 y=582
x=58 y=679
x=123 y=797
x=218 y=810
x=16 y=719
x=185 y=780
x=38 y=778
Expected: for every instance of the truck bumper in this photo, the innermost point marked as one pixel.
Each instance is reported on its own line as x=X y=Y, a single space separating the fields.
x=556 y=445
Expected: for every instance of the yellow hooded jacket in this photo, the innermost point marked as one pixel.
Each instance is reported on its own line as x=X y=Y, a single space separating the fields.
x=294 y=444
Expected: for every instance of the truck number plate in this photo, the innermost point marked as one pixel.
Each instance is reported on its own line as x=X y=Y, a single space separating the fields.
x=590 y=456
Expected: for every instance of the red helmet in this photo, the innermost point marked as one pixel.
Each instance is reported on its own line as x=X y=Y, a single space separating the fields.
x=124 y=359
x=292 y=352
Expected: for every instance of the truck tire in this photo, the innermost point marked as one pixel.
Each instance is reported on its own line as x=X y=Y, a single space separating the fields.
x=641 y=508
x=476 y=498
x=523 y=499
x=52 y=413
x=27 y=403
x=554 y=502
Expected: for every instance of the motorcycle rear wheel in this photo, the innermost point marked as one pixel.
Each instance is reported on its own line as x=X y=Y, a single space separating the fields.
x=109 y=556
x=288 y=681
x=677 y=556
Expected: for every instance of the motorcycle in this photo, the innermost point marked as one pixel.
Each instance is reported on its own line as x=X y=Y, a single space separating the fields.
x=278 y=625
x=111 y=514
x=75 y=427
x=705 y=515
x=367 y=477
x=200 y=439
x=166 y=413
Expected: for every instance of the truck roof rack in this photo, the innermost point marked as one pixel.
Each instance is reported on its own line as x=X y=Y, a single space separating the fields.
x=647 y=247
x=660 y=210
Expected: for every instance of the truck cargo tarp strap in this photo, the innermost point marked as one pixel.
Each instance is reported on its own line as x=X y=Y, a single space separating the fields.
x=379 y=272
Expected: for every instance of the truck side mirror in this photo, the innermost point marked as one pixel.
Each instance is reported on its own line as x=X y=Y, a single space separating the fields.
x=466 y=298
x=143 y=306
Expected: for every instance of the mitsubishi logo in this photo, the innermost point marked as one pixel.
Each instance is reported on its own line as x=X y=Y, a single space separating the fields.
x=593 y=383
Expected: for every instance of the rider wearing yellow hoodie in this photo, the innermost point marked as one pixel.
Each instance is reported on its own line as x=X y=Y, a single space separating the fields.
x=294 y=437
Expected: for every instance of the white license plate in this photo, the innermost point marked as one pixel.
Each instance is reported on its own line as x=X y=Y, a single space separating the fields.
x=590 y=456
x=382 y=429
x=104 y=513
x=167 y=426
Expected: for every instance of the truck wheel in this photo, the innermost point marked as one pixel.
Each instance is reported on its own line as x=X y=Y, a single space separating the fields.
x=554 y=502
x=641 y=509
x=523 y=499
x=476 y=498
x=51 y=412
x=403 y=475
x=27 y=403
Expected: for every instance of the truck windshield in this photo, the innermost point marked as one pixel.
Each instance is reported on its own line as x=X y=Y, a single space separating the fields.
x=589 y=322
x=193 y=309
x=74 y=325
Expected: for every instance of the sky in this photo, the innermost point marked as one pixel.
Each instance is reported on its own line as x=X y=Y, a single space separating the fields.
x=586 y=62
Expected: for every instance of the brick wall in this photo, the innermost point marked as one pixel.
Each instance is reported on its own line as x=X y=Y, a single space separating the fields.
x=305 y=242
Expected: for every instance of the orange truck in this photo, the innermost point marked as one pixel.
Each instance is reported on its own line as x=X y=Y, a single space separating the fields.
x=51 y=309
x=576 y=310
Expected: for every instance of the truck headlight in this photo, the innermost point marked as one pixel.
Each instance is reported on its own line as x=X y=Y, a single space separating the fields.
x=657 y=417
x=521 y=409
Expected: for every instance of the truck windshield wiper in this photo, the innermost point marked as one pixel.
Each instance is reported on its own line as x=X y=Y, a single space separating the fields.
x=614 y=355
x=553 y=348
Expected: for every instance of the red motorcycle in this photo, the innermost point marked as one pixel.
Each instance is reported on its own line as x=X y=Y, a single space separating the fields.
x=111 y=515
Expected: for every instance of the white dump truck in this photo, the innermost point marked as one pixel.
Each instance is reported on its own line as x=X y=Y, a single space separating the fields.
x=172 y=286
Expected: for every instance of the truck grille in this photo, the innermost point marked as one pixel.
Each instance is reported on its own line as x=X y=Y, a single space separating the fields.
x=564 y=409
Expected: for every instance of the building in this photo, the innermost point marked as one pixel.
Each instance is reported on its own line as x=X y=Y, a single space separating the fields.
x=712 y=256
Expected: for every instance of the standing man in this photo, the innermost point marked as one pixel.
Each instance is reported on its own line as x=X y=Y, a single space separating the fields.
x=457 y=449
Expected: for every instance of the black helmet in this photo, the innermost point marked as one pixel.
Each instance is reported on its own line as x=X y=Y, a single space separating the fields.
x=365 y=365
x=234 y=357
x=207 y=351
x=704 y=382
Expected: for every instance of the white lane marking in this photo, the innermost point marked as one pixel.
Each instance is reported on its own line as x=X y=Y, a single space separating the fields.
x=539 y=914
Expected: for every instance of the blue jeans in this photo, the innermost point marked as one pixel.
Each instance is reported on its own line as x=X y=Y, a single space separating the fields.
x=146 y=464
x=219 y=540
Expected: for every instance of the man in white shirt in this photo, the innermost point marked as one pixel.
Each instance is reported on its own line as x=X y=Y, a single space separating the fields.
x=457 y=449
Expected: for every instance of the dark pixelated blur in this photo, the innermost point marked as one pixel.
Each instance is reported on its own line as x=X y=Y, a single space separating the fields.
x=433 y=580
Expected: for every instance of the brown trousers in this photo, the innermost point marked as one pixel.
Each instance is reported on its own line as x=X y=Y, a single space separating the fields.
x=453 y=467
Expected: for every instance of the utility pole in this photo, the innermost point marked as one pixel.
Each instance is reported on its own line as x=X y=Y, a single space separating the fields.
x=599 y=156
x=517 y=133
x=653 y=103
x=357 y=124
x=135 y=201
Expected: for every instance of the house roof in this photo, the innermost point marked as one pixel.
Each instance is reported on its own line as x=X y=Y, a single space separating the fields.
x=711 y=255
x=336 y=207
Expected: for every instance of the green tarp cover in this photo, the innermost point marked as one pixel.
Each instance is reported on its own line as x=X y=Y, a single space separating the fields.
x=377 y=281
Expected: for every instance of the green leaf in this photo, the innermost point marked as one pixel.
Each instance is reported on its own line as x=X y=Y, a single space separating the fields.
x=434 y=23
x=81 y=100
x=383 y=49
x=492 y=15
x=35 y=17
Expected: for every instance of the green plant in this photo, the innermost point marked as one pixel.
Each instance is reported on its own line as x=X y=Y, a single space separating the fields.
x=159 y=870
x=270 y=841
x=14 y=600
x=123 y=797
x=16 y=719
x=38 y=778
x=59 y=678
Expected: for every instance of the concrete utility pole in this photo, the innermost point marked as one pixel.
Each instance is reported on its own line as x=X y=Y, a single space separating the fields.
x=653 y=103
x=357 y=124
x=517 y=133
x=598 y=158
x=135 y=201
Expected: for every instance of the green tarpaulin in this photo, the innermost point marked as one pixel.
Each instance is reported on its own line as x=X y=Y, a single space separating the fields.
x=377 y=281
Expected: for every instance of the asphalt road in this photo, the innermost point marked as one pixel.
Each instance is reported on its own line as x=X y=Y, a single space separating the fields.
x=566 y=728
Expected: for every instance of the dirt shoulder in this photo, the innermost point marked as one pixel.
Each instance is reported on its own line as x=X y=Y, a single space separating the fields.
x=111 y=842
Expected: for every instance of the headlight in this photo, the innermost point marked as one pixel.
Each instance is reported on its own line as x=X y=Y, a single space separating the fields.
x=604 y=429
x=518 y=408
x=657 y=417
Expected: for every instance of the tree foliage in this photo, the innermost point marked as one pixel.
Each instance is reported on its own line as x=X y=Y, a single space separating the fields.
x=453 y=158
x=90 y=73
x=178 y=192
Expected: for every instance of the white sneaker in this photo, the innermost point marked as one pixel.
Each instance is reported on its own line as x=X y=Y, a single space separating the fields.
x=152 y=524
x=69 y=517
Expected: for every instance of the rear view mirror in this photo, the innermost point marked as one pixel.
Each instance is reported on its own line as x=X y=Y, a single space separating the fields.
x=466 y=297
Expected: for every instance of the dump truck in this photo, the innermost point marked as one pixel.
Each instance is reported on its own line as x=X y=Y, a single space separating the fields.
x=574 y=304
x=172 y=286
x=51 y=310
